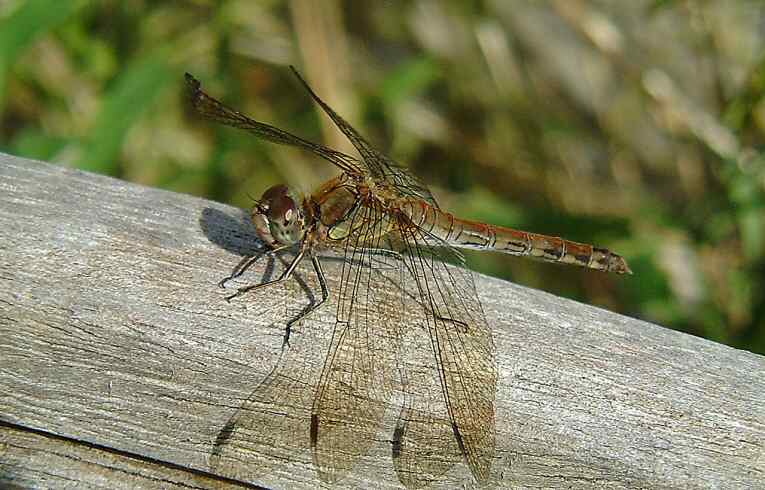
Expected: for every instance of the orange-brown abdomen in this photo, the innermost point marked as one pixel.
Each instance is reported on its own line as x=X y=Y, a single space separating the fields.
x=480 y=236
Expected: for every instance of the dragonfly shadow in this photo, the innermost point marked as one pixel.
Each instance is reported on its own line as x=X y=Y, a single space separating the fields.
x=235 y=234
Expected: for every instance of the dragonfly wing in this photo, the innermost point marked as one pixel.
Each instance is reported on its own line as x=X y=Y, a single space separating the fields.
x=215 y=110
x=380 y=167
x=463 y=350
x=357 y=379
x=424 y=447
x=271 y=426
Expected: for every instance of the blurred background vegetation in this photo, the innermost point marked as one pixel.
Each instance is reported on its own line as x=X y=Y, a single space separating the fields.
x=632 y=125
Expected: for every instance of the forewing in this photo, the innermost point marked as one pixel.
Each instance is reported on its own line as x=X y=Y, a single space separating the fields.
x=356 y=382
x=215 y=110
x=424 y=447
x=380 y=167
x=463 y=350
x=271 y=426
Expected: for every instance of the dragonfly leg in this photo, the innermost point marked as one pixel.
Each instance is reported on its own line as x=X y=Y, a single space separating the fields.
x=285 y=275
x=459 y=323
x=384 y=252
x=246 y=263
x=324 y=295
x=391 y=253
x=239 y=269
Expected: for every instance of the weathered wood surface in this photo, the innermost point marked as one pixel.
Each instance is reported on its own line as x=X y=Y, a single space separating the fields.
x=115 y=340
x=30 y=459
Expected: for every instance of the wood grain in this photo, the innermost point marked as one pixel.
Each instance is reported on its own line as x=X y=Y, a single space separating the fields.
x=31 y=459
x=114 y=335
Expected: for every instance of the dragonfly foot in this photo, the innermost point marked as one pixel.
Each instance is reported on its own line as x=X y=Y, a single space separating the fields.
x=286 y=341
x=222 y=283
x=459 y=323
x=232 y=296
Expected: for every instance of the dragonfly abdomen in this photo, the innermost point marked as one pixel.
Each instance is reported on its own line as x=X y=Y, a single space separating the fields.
x=481 y=236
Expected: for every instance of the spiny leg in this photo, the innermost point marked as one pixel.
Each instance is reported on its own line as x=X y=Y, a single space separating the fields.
x=383 y=252
x=396 y=255
x=324 y=295
x=285 y=275
x=239 y=269
x=246 y=263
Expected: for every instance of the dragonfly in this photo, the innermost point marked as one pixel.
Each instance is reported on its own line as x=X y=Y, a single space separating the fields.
x=402 y=274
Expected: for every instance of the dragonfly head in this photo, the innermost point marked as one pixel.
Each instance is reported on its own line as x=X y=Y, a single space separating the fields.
x=278 y=218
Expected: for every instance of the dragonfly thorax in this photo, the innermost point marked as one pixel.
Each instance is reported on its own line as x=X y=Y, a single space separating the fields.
x=278 y=218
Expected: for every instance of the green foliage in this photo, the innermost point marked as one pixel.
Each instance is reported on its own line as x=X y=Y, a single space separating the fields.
x=122 y=105
x=31 y=19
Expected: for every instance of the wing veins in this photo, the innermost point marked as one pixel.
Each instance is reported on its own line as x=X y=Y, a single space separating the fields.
x=217 y=111
x=381 y=167
x=356 y=384
x=453 y=346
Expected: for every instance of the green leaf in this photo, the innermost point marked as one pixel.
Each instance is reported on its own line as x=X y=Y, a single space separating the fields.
x=132 y=93
x=752 y=223
x=408 y=80
x=33 y=143
x=32 y=19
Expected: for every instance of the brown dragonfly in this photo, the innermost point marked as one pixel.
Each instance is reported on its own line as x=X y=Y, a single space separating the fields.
x=401 y=275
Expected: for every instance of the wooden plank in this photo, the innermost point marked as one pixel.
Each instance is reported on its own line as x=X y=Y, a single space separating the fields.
x=32 y=460
x=113 y=332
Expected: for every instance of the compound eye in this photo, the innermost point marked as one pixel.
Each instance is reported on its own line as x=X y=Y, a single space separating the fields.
x=282 y=209
x=275 y=192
